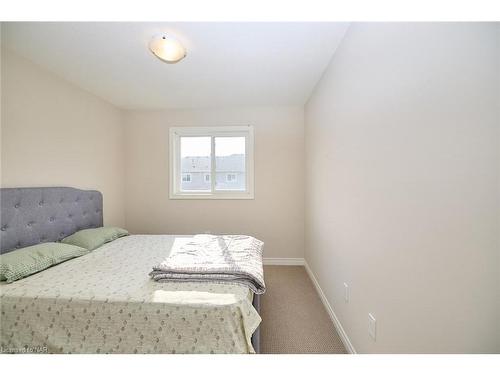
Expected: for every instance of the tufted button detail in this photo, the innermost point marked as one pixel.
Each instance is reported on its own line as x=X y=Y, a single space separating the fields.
x=70 y=216
x=62 y=234
x=4 y=228
x=28 y=225
x=40 y=203
x=51 y=219
x=17 y=205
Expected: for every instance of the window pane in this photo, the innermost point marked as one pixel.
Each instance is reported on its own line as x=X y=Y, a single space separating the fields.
x=195 y=163
x=230 y=163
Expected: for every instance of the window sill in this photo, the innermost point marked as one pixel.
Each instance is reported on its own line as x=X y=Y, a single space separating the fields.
x=212 y=196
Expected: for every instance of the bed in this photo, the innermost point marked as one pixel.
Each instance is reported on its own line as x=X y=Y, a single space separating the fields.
x=104 y=302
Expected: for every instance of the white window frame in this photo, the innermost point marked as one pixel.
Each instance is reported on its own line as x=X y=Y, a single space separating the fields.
x=211 y=131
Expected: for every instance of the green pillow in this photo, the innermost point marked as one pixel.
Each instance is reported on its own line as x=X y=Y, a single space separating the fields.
x=91 y=239
x=23 y=262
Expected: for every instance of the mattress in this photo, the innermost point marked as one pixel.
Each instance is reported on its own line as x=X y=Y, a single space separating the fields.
x=105 y=302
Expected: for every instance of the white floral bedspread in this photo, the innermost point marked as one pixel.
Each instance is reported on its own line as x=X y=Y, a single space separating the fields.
x=105 y=302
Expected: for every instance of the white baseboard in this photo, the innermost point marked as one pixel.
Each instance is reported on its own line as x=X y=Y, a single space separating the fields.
x=284 y=261
x=343 y=335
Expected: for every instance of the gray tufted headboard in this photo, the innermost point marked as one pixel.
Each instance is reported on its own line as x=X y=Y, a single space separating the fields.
x=46 y=214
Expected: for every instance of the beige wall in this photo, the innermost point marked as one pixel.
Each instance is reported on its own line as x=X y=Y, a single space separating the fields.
x=402 y=196
x=276 y=215
x=55 y=134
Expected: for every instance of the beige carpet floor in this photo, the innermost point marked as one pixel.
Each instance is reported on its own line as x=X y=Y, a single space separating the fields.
x=294 y=320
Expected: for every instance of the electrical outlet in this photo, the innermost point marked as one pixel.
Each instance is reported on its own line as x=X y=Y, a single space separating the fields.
x=346 y=292
x=372 y=326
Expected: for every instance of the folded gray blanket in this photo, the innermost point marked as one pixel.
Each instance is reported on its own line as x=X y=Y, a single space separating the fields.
x=224 y=259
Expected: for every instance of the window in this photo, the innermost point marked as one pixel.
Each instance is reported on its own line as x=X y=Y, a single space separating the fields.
x=211 y=162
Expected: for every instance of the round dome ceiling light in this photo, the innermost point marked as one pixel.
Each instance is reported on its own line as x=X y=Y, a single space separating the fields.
x=167 y=48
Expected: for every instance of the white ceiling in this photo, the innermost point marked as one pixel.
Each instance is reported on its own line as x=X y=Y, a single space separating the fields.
x=227 y=64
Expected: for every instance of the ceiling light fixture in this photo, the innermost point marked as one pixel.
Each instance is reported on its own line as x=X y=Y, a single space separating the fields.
x=167 y=48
